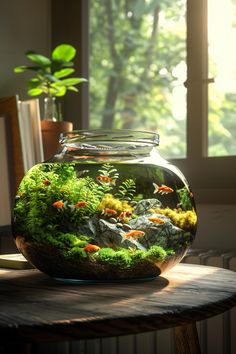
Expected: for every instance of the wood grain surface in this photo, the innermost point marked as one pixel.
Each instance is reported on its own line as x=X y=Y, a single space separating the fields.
x=34 y=307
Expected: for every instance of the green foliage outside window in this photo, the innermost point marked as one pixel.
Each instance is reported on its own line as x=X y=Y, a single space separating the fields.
x=133 y=76
x=137 y=73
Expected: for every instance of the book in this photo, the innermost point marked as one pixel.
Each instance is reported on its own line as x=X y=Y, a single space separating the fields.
x=26 y=135
x=21 y=147
x=14 y=261
x=34 y=111
x=30 y=132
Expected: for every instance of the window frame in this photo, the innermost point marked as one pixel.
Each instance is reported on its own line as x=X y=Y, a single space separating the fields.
x=212 y=179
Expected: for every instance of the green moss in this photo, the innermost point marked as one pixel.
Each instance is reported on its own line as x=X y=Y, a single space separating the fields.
x=122 y=258
x=119 y=258
x=69 y=240
x=137 y=255
x=49 y=239
x=110 y=202
x=156 y=253
x=127 y=258
x=185 y=220
x=77 y=253
x=106 y=254
x=81 y=243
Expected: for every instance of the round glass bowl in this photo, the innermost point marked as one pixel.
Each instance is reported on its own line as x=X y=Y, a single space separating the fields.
x=107 y=207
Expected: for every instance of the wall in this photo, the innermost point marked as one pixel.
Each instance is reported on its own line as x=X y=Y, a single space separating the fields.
x=24 y=25
x=216 y=226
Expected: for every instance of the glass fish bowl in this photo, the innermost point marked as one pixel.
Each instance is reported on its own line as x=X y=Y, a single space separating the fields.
x=107 y=207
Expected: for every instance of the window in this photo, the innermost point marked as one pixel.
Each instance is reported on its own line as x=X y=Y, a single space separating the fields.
x=137 y=78
x=222 y=70
x=154 y=66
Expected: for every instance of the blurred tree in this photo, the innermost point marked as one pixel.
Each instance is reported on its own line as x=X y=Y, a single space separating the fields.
x=133 y=68
x=137 y=71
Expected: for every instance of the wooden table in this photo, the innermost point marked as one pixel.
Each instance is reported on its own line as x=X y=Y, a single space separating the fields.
x=34 y=307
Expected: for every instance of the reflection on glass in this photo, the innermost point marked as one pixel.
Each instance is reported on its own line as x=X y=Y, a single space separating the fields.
x=222 y=66
x=137 y=69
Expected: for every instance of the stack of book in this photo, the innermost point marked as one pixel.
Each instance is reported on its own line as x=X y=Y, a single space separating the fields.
x=21 y=147
x=30 y=132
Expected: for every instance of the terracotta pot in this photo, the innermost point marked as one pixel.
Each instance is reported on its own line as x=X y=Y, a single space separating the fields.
x=50 y=134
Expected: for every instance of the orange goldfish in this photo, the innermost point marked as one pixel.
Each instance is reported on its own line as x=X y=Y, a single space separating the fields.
x=109 y=212
x=156 y=220
x=135 y=234
x=71 y=149
x=163 y=189
x=58 y=204
x=91 y=248
x=81 y=204
x=104 y=179
x=124 y=214
x=46 y=182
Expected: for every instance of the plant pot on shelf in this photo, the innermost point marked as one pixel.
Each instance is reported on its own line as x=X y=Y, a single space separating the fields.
x=51 y=131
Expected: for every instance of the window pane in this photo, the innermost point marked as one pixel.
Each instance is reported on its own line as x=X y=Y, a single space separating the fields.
x=222 y=66
x=137 y=68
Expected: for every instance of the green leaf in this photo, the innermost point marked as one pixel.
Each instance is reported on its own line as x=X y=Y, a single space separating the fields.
x=57 y=91
x=51 y=78
x=58 y=65
x=72 y=81
x=63 y=72
x=38 y=59
x=35 y=91
x=72 y=88
x=64 y=52
x=20 y=69
x=33 y=83
x=34 y=79
x=67 y=64
x=23 y=68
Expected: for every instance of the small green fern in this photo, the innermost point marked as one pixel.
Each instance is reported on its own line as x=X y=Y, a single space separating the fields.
x=126 y=190
x=107 y=177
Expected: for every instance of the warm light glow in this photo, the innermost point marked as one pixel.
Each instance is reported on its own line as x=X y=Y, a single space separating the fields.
x=222 y=36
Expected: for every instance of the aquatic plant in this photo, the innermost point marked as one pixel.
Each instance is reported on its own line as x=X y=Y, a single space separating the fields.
x=126 y=258
x=110 y=202
x=107 y=177
x=119 y=258
x=185 y=220
x=156 y=253
x=126 y=190
x=52 y=196
x=70 y=240
x=185 y=198
x=77 y=253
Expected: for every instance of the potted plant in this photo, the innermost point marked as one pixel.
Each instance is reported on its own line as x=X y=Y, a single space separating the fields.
x=52 y=78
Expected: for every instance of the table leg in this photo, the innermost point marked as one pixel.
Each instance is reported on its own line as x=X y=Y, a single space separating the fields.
x=186 y=339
